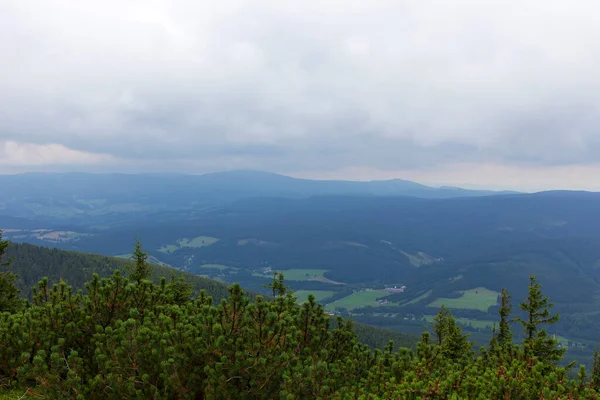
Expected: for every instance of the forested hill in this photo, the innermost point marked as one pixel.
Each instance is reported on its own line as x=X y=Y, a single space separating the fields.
x=32 y=263
x=127 y=337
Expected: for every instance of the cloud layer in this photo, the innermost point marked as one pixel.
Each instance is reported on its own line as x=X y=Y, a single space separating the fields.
x=310 y=87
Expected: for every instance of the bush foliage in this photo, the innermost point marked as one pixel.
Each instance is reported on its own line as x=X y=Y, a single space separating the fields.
x=127 y=337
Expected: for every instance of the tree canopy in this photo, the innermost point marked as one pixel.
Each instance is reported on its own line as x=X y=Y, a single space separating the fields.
x=126 y=337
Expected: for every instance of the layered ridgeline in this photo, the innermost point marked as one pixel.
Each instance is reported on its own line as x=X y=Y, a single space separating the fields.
x=128 y=337
x=103 y=197
x=349 y=250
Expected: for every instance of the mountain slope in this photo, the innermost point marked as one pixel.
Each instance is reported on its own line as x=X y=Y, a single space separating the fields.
x=32 y=263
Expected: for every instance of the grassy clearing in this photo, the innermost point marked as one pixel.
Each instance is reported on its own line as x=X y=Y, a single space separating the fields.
x=358 y=299
x=302 y=295
x=220 y=267
x=417 y=299
x=170 y=248
x=303 y=274
x=478 y=299
x=478 y=324
x=307 y=275
x=61 y=236
x=197 y=242
x=419 y=259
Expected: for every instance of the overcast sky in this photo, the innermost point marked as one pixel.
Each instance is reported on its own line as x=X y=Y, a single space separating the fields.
x=498 y=94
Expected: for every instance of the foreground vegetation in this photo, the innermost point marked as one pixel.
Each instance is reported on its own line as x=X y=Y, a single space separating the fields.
x=128 y=337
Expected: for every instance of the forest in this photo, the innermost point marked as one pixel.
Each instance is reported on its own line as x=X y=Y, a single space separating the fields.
x=334 y=243
x=33 y=263
x=127 y=336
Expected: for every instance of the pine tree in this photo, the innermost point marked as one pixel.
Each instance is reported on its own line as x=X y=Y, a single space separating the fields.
x=440 y=325
x=141 y=269
x=505 y=335
x=501 y=341
x=9 y=292
x=145 y=340
x=595 y=378
x=450 y=339
x=537 y=341
x=3 y=247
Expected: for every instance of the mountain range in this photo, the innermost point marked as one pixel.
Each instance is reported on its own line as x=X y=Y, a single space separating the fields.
x=74 y=196
x=387 y=253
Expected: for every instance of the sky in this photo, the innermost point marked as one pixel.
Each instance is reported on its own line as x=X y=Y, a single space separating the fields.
x=495 y=94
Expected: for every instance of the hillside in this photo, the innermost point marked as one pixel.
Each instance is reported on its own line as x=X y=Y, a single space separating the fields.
x=127 y=337
x=350 y=251
x=32 y=263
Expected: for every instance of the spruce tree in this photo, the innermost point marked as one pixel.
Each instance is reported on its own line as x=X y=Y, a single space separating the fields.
x=440 y=325
x=595 y=378
x=141 y=269
x=501 y=341
x=450 y=339
x=538 y=343
x=121 y=340
x=505 y=335
x=3 y=247
x=9 y=292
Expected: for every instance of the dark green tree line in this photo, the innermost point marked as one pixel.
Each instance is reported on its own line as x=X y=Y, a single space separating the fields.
x=127 y=337
x=9 y=292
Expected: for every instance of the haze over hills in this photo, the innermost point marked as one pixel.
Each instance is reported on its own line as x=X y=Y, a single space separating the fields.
x=350 y=249
x=427 y=148
x=72 y=196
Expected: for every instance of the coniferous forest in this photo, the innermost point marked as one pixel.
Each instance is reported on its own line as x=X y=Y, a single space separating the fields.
x=128 y=336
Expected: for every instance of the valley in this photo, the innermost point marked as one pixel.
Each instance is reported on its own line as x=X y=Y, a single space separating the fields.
x=385 y=260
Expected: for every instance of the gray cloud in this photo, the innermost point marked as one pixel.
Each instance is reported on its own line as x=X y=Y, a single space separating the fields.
x=317 y=86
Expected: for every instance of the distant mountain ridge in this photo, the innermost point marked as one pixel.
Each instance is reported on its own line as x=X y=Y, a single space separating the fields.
x=75 y=195
x=459 y=251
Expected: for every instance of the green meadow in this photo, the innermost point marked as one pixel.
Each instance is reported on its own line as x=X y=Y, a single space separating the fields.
x=358 y=299
x=198 y=241
x=477 y=299
x=302 y=295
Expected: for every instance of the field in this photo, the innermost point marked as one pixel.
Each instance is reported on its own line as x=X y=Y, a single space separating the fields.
x=199 y=241
x=303 y=274
x=357 y=300
x=478 y=324
x=170 y=248
x=478 y=299
x=417 y=299
x=302 y=295
x=419 y=259
x=46 y=235
x=215 y=266
x=308 y=275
